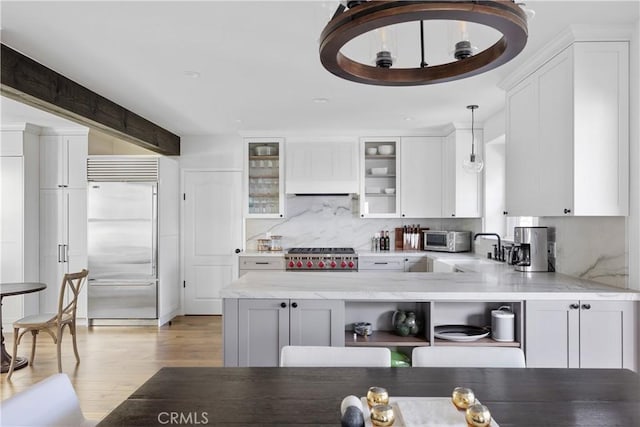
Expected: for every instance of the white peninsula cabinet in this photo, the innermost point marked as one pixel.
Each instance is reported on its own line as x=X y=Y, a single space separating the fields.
x=567 y=135
x=264 y=326
x=461 y=190
x=581 y=334
x=421 y=177
x=63 y=214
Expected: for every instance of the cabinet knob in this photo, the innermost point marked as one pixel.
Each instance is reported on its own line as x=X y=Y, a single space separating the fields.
x=403 y=215
x=238 y=251
x=567 y=211
x=574 y=306
x=281 y=215
x=361 y=215
x=505 y=213
x=586 y=306
x=283 y=304
x=294 y=305
x=453 y=214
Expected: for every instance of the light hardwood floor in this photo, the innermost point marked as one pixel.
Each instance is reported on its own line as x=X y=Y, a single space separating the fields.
x=116 y=360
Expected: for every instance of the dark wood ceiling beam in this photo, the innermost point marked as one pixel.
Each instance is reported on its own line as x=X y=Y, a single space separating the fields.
x=32 y=83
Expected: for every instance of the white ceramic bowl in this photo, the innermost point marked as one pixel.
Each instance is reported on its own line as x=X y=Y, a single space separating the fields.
x=379 y=171
x=385 y=150
x=389 y=191
x=372 y=151
x=265 y=150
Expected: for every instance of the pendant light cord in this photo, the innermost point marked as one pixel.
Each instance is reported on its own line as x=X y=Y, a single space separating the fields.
x=473 y=139
x=423 y=63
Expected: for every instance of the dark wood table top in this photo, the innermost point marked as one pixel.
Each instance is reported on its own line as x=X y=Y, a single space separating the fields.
x=19 y=288
x=312 y=396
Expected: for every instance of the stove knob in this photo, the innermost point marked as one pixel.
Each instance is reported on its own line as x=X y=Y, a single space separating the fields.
x=333 y=264
x=291 y=264
x=299 y=264
x=343 y=264
x=321 y=264
x=309 y=264
x=351 y=264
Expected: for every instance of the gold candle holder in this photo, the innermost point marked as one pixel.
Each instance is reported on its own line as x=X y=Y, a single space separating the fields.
x=463 y=397
x=377 y=396
x=382 y=415
x=478 y=415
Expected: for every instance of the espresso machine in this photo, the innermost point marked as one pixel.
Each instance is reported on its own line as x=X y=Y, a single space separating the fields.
x=531 y=249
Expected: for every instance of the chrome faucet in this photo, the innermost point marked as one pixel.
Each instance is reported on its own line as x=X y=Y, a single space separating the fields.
x=499 y=255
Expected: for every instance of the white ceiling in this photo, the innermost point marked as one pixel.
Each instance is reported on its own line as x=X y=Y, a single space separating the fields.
x=258 y=63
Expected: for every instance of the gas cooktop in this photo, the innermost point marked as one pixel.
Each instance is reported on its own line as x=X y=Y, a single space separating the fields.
x=318 y=251
x=321 y=259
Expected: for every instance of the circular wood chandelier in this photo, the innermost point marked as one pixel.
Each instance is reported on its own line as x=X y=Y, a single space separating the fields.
x=504 y=16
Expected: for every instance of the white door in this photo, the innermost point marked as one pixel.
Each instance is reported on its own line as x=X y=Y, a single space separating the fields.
x=212 y=233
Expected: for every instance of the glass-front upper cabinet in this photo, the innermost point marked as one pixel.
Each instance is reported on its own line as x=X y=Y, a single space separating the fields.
x=380 y=177
x=264 y=178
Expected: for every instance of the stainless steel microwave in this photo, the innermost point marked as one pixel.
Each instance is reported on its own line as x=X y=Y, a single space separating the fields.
x=447 y=241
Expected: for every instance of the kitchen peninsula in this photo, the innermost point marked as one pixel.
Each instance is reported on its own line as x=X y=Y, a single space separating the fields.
x=561 y=321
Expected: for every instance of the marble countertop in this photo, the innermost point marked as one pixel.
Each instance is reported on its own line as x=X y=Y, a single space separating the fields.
x=499 y=284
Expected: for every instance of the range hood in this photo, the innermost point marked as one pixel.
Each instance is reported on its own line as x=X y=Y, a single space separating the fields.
x=322 y=168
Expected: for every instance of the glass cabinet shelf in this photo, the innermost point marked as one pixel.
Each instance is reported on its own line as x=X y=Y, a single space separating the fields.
x=264 y=187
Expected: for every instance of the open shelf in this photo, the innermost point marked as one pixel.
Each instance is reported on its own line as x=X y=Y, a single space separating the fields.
x=380 y=156
x=482 y=342
x=383 y=339
x=276 y=157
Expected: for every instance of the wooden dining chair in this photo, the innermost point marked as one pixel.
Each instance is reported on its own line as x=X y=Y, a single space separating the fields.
x=321 y=356
x=52 y=323
x=472 y=357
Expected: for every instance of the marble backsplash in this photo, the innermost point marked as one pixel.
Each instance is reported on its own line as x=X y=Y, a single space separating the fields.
x=591 y=248
x=334 y=221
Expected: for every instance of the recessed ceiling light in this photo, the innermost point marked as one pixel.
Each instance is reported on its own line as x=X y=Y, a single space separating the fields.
x=408 y=119
x=320 y=100
x=192 y=74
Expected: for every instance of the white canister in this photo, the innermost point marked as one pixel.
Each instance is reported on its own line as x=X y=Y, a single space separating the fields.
x=503 y=324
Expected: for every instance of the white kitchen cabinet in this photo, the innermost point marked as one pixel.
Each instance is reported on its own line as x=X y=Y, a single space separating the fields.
x=580 y=334
x=266 y=325
x=264 y=185
x=461 y=190
x=380 y=262
x=63 y=214
x=63 y=160
x=421 y=177
x=380 y=185
x=63 y=243
x=568 y=134
x=260 y=263
x=325 y=167
x=19 y=229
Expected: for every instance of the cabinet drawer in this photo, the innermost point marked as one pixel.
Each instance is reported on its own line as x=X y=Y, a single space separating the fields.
x=261 y=263
x=389 y=264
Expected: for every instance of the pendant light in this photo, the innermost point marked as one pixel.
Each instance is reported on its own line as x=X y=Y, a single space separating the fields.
x=473 y=165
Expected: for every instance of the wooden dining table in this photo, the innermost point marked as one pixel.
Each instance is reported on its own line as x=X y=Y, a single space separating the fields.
x=312 y=396
x=9 y=289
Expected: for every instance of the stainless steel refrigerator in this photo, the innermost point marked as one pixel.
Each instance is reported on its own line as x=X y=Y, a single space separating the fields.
x=122 y=237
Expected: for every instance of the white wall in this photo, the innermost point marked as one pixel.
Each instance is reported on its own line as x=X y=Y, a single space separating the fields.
x=633 y=221
x=211 y=152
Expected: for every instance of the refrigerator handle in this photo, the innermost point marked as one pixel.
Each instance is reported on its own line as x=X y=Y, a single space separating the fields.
x=66 y=253
x=59 y=253
x=154 y=257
